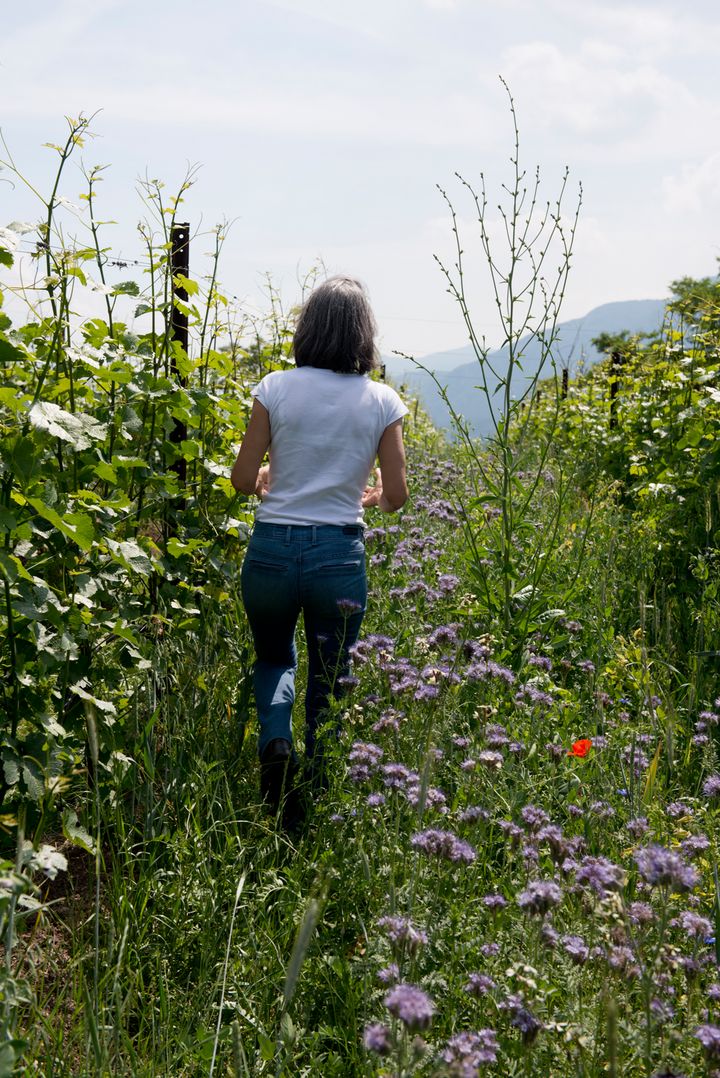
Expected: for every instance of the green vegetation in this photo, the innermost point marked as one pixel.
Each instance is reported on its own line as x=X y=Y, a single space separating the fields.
x=515 y=868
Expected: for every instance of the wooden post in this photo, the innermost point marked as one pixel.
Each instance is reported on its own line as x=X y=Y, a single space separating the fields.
x=179 y=264
x=615 y=365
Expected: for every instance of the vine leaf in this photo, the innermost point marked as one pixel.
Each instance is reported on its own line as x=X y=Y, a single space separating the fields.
x=79 y=430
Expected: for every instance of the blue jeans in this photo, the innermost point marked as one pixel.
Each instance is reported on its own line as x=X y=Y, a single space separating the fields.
x=318 y=570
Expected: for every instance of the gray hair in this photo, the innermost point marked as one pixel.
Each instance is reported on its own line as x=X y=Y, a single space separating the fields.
x=336 y=328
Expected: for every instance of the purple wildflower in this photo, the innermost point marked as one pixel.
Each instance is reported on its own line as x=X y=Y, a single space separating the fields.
x=403 y=933
x=602 y=809
x=374 y=800
x=576 y=949
x=539 y=897
x=711 y=789
x=533 y=817
x=623 y=960
x=553 y=836
x=389 y=974
x=496 y=736
x=376 y=1038
x=490 y=950
x=348 y=607
x=426 y=692
x=491 y=760
x=637 y=826
x=695 y=925
x=709 y=1037
x=395 y=776
x=364 y=752
x=554 y=751
x=494 y=902
x=541 y=661
x=641 y=913
x=694 y=845
x=473 y=813
x=447 y=582
x=411 y=1005
x=599 y=875
x=443 y=844
x=465 y=1053
x=661 y=867
x=479 y=984
x=523 y=1019
x=548 y=934
x=444 y=634
x=531 y=694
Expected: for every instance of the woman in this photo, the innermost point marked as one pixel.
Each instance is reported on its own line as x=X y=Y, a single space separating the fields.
x=323 y=424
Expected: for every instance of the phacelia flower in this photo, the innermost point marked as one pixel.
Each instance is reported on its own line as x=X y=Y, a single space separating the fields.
x=661 y=867
x=711 y=789
x=709 y=1037
x=403 y=933
x=465 y=1053
x=539 y=897
x=443 y=844
x=479 y=984
x=599 y=875
x=411 y=1005
x=377 y=1038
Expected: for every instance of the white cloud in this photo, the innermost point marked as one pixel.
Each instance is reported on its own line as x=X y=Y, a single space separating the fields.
x=695 y=189
x=647 y=31
x=392 y=116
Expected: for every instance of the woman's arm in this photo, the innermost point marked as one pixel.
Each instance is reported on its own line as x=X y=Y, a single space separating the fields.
x=390 y=491
x=246 y=475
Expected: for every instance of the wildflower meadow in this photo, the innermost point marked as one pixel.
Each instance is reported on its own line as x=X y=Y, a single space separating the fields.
x=514 y=869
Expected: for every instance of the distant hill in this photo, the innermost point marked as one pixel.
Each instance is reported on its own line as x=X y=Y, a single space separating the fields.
x=458 y=370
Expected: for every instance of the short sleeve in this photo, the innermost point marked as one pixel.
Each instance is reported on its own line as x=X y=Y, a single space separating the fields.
x=393 y=407
x=263 y=392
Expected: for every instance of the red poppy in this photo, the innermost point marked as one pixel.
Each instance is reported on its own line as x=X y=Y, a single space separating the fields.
x=581 y=747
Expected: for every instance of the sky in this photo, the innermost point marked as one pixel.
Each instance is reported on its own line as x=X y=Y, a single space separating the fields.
x=322 y=129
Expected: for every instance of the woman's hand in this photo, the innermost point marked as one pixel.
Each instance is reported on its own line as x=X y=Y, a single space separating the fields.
x=262 y=486
x=371 y=495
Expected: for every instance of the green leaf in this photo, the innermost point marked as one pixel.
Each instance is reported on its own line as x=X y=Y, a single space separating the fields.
x=105 y=471
x=105 y=706
x=11 y=567
x=191 y=287
x=33 y=778
x=131 y=555
x=267 y=1047
x=11 y=767
x=74 y=832
x=8 y=1057
x=79 y=430
x=19 y=454
x=126 y=288
x=9 y=354
x=6 y=259
x=75 y=526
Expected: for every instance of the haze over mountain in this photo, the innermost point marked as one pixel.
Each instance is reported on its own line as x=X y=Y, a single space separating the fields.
x=459 y=371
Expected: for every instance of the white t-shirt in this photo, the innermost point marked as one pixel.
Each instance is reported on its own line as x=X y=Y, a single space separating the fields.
x=324 y=433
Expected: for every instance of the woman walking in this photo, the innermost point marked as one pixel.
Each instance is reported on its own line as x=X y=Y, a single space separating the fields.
x=323 y=424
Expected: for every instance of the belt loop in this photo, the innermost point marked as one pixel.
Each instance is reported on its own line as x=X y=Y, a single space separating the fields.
x=288 y=535
x=314 y=534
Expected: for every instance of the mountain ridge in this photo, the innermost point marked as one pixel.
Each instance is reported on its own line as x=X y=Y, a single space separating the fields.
x=573 y=346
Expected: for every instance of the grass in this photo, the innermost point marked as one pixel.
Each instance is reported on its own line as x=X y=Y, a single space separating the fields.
x=225 y=945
